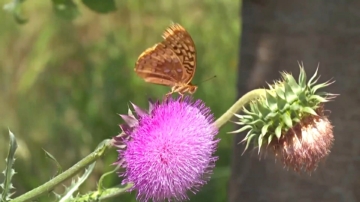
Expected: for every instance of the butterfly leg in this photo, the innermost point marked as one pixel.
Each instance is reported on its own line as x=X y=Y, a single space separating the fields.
x=182 y=96
x=167 y=95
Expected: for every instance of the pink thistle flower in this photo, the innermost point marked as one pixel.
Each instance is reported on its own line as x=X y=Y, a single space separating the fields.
x=169 y=150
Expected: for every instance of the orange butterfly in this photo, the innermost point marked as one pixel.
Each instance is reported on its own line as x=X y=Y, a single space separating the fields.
x=171 y=62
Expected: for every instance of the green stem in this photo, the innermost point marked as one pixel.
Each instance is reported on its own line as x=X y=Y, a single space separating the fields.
x=238 y=105
x=113 y=192
x=50 y=185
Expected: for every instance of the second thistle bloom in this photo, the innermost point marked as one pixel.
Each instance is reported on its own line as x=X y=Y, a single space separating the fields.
x=168 y=150
x=290 y=121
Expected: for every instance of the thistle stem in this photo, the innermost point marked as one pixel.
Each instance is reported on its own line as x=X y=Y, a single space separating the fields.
x=238 y=105
x=50 y=185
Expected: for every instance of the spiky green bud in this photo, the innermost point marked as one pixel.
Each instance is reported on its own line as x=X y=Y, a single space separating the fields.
x=282 y=114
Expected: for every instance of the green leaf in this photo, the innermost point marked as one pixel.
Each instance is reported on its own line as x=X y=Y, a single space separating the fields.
x=290 y=96
x=309 y=110
x=321 y=85
x=246 y=136
x=59 y=168
x=302 y=75
x=100 y=6
x=278 y=131
x=270 y=138
x=76 y=184
x=65 y=9
x=317 y=98
x=241 y=129
x=14 y=8
x=264 y=130
x=263 y=109
x=287 y=120
x=9 y=172
x=271 y=101
x=313 y=79
x=281 y=103
x=249 y=140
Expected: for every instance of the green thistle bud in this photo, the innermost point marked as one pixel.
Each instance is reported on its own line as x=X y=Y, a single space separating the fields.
x=289 y=120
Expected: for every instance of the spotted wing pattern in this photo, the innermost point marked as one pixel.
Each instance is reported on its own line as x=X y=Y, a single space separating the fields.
x=171 y=62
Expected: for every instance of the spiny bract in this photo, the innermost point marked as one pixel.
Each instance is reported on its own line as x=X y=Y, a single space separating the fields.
x=286 y=103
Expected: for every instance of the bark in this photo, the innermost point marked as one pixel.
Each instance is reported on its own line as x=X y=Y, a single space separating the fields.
x=275 y=35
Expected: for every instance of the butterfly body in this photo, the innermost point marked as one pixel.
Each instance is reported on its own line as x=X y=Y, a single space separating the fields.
x=171 y=62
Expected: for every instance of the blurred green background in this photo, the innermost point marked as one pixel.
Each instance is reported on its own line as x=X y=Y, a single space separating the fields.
x=63 y=82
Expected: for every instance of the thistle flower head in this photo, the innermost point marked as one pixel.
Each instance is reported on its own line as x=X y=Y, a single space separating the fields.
x=290 y=120
x=168 y=150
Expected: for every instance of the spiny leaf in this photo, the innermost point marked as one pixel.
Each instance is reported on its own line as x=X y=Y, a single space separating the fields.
x=9 y=172
x=75 y=185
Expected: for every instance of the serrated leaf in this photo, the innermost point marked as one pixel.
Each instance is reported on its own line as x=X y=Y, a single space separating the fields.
x=65 y=9
x=75 y=185
x=58 y=166
x=9 y=172
x=100 y=6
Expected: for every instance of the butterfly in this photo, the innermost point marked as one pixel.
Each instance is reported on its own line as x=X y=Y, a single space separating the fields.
x=171 y=62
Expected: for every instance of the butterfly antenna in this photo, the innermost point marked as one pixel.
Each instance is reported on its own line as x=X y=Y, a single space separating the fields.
x=213 y=77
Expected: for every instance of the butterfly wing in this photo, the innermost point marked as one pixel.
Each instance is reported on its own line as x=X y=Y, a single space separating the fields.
x=159 y=65
x=180 y=42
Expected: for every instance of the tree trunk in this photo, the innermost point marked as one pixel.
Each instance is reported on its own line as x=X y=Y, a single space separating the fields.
x=275 y=36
